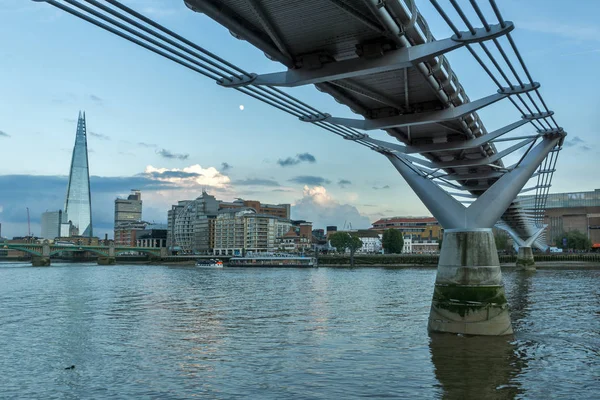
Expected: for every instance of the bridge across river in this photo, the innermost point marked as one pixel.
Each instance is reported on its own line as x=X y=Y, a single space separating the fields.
x=41 y=253
x=381 y=60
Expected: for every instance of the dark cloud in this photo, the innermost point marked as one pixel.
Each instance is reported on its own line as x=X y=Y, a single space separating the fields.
x=307 y=157
x=167 y=154
x=96 y=99
x=147 y=145
x=585 y=148
x=573 y=141
x=282 y=190
x=577 y=139
x=287 y=162
x=4 y=134
x=42 y=193
x=303 y=157
x=173 y=174
x=99 y=136
x=225 y=167
x=381 y=188
x=25 y=192
x=310 y=180
x=255 y=182
x=344 y=182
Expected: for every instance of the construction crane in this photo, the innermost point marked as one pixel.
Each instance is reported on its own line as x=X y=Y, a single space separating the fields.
x=28 y=224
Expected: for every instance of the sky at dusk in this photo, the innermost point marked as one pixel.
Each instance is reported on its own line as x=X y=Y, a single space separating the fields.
x=147 y=115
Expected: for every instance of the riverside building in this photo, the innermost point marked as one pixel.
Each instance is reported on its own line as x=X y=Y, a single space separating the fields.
x=419 y=228
x=193 y=227
x=55 y=224
x=188 y=225
x=237 y=232
x=572 y=211
x=129 y=209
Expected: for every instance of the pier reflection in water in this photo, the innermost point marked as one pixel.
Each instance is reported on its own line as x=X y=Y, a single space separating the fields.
x=476 y=367
x=158 y=332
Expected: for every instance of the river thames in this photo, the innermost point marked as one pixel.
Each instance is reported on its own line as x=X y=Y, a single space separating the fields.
x=173 y=333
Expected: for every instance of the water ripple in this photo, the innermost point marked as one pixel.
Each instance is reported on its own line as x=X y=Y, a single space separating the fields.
x=174 y=333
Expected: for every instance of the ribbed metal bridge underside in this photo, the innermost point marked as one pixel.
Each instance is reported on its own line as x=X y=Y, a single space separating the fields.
x=380 y=59
x=311 y=33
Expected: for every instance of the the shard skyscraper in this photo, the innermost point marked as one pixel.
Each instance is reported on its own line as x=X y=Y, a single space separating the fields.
x=78 y=205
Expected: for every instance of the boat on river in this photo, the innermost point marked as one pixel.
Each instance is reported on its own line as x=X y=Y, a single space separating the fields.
x=203 y=263
x=276 y=260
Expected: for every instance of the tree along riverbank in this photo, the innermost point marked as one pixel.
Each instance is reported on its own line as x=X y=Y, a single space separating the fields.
x=431 y=260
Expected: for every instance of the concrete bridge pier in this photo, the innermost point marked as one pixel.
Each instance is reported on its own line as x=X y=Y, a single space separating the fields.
x=106 y=260
x=525 y=260
x=111 y=258
x=40 y=261
x=44 y=259
x=468 y=297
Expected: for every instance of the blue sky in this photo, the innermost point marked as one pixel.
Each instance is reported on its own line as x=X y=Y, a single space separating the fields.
x=147 y=114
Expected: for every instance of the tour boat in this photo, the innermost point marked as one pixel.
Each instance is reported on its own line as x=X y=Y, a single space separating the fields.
x=209 y=263
x=273 y=260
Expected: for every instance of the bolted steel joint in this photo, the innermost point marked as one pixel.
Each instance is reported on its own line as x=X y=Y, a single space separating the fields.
x=314 y=117
x=234 y=81
x=482 y=35
x=538 y=115
x=357 y=137
x=528 y=87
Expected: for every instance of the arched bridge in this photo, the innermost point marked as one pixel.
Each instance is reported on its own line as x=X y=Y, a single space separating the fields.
x=49 y=250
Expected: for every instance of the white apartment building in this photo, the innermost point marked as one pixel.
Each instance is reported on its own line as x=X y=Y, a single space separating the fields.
x=239 y=231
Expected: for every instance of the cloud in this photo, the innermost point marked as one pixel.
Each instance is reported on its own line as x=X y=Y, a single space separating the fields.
x=173 y=174
x=255 y=182
x=309 y=180
x=25 y=192
x=344 y=182
x=225 y=167
x=577 y=141
x=70 y=120
x=4 y=134
x=301 y=157
x=282 y=190
x=322 y=209
x=162 y=187
x=147 y=145
x=99 y=136
x=381 y=188
x=307 y=157
x=167 y=154
x=96 y=99
x=578 y=32
x=188 y=177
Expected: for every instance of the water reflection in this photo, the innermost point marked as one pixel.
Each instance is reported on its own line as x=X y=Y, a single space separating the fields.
x=520 y=299
x=476 y=367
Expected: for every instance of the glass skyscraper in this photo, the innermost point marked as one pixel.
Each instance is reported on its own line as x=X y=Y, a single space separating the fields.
x=78 y=205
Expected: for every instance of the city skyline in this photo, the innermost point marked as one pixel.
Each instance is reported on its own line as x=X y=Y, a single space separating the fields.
x=148 y=128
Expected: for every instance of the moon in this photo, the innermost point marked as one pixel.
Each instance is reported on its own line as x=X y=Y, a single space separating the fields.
x=241 y=107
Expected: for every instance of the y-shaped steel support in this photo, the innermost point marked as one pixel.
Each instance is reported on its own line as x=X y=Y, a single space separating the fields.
x=469 y=294
x=525 y=259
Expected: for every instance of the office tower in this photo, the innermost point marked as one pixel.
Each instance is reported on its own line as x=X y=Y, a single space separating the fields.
x=78 y=205
x=129 y=209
